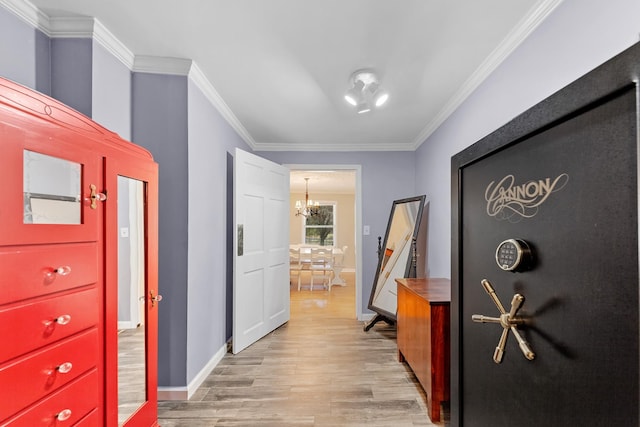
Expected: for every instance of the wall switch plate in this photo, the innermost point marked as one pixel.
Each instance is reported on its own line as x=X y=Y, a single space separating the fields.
x=124 y=232
x=365 y=230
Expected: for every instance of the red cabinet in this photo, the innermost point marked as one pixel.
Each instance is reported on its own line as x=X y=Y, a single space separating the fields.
x=58 y=264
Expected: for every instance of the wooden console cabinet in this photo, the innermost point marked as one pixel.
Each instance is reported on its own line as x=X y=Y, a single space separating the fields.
x=423 y=336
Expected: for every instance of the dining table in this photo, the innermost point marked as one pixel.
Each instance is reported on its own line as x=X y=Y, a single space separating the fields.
x=336 y=267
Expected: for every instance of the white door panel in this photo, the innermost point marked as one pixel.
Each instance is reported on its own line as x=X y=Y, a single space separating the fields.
x=261 y=242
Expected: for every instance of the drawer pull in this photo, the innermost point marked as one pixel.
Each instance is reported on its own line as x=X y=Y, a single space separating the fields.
x=65 y=368
x=63 y=320
x=63 y=270
x=60 y=320
x=64 y=415
x=51 y=274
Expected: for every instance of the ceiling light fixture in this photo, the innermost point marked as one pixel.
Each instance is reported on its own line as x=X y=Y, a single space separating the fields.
x=363 y=108
x=381 y=99
x=365 y=91
x=309 y=208
x=353 y=95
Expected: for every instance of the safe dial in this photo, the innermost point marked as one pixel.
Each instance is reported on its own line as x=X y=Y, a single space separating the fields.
x=514 y=255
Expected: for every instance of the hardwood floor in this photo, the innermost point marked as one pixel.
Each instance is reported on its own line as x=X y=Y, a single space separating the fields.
x=131 y=372
x=319 y=369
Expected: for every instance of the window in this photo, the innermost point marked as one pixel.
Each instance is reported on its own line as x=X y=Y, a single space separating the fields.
x=319 y=229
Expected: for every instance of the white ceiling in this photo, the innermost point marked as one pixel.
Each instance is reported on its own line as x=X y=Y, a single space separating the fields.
x=323 y=182
x=280 y=68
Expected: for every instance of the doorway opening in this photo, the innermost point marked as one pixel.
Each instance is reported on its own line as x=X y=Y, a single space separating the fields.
x=336 y=189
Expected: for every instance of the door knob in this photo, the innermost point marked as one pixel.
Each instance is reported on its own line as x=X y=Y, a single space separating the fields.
x=509 y=322
x=96 y=196
x=154 y=298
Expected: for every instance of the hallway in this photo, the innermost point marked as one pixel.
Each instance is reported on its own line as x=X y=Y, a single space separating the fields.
x=319 y=369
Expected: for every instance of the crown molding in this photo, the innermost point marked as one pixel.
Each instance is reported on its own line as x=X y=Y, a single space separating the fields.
x=66 y=27
x=519 y=33
x=161 y=65
x=320 y=147
x=71 y=27
x=28 y=12
x=199 y=79
x=113 y=45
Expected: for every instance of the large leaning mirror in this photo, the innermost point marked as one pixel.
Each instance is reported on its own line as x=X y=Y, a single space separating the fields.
x=396 y=258
x=132 y=391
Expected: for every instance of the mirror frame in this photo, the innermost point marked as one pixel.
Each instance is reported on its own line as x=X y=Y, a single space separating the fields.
x=382 y=312
x=147 y=172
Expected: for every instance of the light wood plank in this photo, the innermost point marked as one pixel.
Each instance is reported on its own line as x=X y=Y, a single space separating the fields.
x=319 y=369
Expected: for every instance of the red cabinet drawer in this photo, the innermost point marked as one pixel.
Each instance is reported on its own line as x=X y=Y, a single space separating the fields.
x=91 y=420
x=31 y=270
x=45 y=371
x=28 y=327
x=64 y=408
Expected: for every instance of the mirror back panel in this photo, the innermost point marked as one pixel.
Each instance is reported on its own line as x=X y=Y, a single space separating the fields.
x=398 y=254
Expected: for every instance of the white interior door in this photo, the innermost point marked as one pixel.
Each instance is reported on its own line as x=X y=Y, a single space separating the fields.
x=261 y=248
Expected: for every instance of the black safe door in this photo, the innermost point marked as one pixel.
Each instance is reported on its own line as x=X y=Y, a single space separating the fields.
x=570 y=193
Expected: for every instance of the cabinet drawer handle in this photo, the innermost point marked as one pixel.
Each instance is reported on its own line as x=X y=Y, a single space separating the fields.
x=65 y=368
x=63 y=415
x=52 y=273
x=63 y=270
x=60 y=320
x=63 y=320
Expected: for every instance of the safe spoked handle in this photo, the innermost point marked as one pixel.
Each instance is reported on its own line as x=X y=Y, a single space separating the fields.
x=509 y=322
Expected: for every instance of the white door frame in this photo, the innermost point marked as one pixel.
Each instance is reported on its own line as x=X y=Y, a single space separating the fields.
x=358 y=221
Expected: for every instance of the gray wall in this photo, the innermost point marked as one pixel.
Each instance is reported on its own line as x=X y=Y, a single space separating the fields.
x=24 y=53
x=160 y=125
x=577 y=37
x=211 y=140
x=191 y=143
x=71 y=73
x=111 y=92
x=43 y=63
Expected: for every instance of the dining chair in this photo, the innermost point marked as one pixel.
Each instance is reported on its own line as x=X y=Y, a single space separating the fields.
x=295 y=265
x=321 y=265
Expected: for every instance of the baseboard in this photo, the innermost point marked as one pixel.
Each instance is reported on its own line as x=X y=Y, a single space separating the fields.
x=127 y=325
x=365 y=317
x=185 y=393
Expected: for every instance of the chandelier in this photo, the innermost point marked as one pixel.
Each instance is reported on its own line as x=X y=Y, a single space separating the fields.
x=309 y=208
